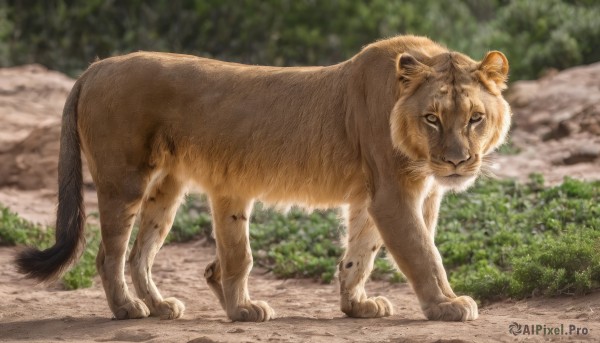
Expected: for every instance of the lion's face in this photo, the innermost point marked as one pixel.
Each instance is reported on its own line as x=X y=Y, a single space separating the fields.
x=450 y=114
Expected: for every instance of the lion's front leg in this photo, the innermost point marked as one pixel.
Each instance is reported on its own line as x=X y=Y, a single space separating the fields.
x=399 y=217
x=231 y=225
x=431 y=208
x=362 y=244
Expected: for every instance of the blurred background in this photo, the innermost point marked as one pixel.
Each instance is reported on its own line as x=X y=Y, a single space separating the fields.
x=67 y=35
x=532 y=231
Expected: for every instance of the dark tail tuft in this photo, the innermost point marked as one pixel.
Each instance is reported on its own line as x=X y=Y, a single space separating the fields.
x=49 y=264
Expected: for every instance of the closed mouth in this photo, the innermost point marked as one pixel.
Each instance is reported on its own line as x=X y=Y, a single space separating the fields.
x=456 y=181
x=455 y=176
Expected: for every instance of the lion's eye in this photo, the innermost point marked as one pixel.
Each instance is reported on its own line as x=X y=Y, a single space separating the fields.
x=476 y=117
x=431 y=118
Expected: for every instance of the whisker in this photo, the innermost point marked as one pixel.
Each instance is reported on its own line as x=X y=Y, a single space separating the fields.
x=488 y=166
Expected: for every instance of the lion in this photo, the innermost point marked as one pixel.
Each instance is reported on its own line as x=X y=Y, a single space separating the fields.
x=384 y=135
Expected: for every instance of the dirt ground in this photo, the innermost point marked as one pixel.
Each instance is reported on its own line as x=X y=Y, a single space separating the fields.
x=306 y=311
x=557 y=130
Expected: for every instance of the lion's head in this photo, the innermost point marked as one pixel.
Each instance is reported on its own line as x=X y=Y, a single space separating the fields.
x=450 y=113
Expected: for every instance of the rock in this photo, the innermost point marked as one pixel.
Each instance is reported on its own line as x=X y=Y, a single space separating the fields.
x=570 y=98
x=556 y=126
x=583 y=154
x=33 y=162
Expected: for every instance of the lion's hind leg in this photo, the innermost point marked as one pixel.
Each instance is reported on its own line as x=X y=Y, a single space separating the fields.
x=230 y=220
x=363 y=243
x=157 y=215
x=118 y=203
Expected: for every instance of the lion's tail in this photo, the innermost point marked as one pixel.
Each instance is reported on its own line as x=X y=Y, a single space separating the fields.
x=50 y=264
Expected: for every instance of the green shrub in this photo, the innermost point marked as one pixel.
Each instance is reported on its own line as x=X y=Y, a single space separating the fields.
x=483 y=281
x=82 y=274
x=67 y=35
x=192 y=221
x=296 y=244
x=536 y=35
x=502 y=238
x=384 y=269
x=15 y=230
x=567 y=264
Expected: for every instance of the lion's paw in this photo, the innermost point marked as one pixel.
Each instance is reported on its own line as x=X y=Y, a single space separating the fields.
x=458 y=309
x=170 y=308
x=134 y=309
x=371 y=308
x=254 y=311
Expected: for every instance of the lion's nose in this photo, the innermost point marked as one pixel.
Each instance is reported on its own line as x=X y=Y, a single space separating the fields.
x=456 y=160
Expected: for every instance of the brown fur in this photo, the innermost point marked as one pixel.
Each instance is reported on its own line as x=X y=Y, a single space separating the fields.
x=355 y=134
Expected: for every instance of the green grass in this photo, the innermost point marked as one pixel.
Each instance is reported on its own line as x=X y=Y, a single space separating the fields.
x=82 y=274
x=306 y=245
x=296 y=244
x=192 y=221
x=15 y=230
x=505 y=239
x=499 y=239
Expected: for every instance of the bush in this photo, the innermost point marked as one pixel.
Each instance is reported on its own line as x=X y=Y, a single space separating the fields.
x=568 y=264
x=82 y=274
x=539 y=35
x=503 y=238
x=68 y=35
x=296 y=244
x=15 y=230
x=192 y=221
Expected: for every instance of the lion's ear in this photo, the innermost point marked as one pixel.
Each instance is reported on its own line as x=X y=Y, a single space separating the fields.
x=408 y=68
x=495 y=67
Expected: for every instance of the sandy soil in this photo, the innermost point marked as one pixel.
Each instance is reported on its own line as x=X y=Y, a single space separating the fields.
x=556 y=138
x=306 y=311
